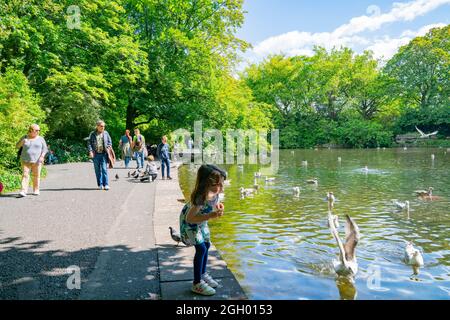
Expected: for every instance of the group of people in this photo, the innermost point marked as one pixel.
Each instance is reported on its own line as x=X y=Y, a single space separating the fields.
x=204 y=202
x=33 y=150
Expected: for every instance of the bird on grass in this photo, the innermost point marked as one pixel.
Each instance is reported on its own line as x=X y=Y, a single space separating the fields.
x=347 y=264
x=175 y=235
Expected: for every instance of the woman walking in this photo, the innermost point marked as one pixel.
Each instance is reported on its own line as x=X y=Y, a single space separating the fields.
x=125 y=146
x=32 y=155
x=138 y=148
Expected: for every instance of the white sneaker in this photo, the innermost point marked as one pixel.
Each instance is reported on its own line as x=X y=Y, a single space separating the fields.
x=100 y=188
x=22 y=194
x=203 y=289
x=209 y=280
x=106 y=188
x=36 y=193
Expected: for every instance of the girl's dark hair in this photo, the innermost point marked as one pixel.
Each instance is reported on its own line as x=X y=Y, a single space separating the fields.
x=207 y=175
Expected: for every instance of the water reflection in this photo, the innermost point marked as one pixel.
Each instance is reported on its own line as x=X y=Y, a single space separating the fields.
x=276 y=237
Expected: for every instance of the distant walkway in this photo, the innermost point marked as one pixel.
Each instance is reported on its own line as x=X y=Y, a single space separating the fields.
x=108 y=235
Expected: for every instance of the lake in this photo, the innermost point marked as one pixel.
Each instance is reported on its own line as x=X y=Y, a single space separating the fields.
x=279 y=246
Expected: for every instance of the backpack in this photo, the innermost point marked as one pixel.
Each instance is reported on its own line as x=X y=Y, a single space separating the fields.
x=158 y=150
x=138 y=144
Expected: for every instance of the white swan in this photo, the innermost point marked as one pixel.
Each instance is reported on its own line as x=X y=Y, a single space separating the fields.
x=347 y=264
x=426 y=135
x=413 y=256
x=402 y=205
x=334 y=217
x=247 y=192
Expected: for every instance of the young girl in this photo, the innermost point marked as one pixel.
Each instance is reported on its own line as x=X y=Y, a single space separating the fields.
x=204 y=205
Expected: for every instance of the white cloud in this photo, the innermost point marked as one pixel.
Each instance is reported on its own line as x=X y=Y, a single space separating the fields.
x=301 y=42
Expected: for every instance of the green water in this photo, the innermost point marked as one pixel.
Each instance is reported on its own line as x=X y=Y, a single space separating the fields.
x=280 y=247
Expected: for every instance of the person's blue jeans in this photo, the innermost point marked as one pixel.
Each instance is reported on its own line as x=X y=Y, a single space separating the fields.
x=200 y=260
x=140 y=160
x=101 y=170
x=127 y=161
x=164 y=163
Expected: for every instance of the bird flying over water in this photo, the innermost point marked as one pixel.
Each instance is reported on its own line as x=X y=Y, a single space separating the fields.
x=426 y=135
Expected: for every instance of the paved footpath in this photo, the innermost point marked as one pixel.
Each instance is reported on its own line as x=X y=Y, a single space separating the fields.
x=118 y=239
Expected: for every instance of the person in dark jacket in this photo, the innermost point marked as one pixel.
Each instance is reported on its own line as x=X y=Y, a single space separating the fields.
x=164 y=157
x=98 y=143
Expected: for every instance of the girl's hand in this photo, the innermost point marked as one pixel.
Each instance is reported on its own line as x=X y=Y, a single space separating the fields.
x=220 y=206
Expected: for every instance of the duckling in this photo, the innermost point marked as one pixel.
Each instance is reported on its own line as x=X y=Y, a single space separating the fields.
x=296 y=191
x=313 y=181
x=413 y=256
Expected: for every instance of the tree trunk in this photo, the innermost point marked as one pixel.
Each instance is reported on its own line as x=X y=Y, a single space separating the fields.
x=131 y=115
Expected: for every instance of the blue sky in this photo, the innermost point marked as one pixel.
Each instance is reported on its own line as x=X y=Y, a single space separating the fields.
x=295 y=26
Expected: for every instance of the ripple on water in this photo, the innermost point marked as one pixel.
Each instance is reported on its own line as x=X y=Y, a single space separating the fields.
x=274 y=237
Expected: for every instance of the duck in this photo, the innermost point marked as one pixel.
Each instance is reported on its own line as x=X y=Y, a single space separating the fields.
x=313 y=181
x=269 y=179
x=347 y=265
x=422 y=193
x=175 y=235
x=296 y=191
x=413 y=256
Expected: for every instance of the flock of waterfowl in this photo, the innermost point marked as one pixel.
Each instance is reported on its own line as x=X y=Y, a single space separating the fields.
x=347 y=264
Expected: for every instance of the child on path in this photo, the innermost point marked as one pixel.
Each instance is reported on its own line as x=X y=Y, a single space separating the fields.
x=203 y=205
